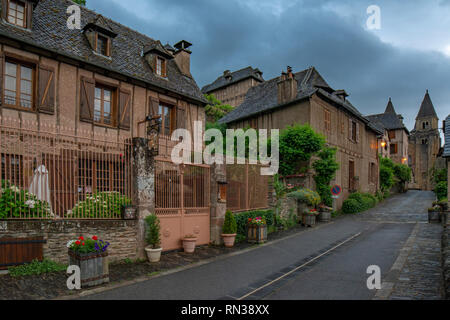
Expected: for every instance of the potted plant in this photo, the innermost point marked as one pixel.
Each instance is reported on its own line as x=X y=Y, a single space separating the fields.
x=153 y=239
x=189 y=243
x=229 y=229
x=256 y=230
x=434 y=214
x=91 y=256
x=309 y=217
x=324 y=213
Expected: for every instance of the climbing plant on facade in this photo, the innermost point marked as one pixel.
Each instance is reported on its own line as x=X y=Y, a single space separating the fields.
x=325 y=171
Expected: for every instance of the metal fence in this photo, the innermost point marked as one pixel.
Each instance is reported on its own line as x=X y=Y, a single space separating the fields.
x=247 y=189
x=51 y=172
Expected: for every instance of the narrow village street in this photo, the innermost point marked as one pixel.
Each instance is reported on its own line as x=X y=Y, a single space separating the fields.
x=326 y=262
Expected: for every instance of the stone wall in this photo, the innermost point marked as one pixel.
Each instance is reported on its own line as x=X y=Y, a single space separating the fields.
x=121 y=234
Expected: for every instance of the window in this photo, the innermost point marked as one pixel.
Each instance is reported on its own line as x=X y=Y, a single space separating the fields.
x=393 y=149
x=327 y=117
x=166 y=121
x=18 y=82
x=11 y=166
x=391 y=135
x=17 y=13
x=104 y=105
x=354 y=133
x=372 y=173
x=160 y=66
x=103 y=46
x=99 y=175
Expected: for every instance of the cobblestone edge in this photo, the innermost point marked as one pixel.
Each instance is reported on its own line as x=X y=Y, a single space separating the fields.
x=445 y=258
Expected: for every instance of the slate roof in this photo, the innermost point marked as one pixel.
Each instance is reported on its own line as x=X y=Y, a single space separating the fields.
x=50 y=33
x=264 y=97
x=446 y=153
x=236 y=76
x=388 y=120
x=426 y=108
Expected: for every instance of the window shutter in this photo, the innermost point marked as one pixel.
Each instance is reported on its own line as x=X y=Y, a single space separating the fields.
x=124 y=109
x=46 y=90
x=87 y=92
x=180 y=118
x=357 y=132
x=350 y=134
x=154 y=106
x=1 y=79
x=29 y=10
x=4 y=9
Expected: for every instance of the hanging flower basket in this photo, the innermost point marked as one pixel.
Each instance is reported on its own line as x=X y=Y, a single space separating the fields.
x=91 y=256
x=256 y=230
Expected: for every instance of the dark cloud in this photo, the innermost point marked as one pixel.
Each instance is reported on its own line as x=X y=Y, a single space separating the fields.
x=232 y=35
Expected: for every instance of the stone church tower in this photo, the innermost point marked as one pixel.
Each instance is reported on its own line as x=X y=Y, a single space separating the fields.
x=424 y=145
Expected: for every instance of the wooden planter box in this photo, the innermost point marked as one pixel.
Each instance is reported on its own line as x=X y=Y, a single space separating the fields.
x=325 y=216
x=256 y=234
x=434 y=216
x=93 y=267
x=309 y=220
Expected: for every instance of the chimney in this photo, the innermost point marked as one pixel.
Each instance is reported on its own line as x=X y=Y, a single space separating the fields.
x=227 y=75
x=341 y=94
x=183 y=57
x=287 y=87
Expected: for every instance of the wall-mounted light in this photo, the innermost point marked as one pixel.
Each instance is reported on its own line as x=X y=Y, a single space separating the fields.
x=404 y=160
x=383 y=144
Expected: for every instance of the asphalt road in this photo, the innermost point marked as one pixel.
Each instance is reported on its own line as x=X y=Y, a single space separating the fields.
x=328 y=262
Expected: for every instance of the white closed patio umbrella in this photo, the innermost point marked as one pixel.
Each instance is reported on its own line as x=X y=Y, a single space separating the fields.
x=39 y=186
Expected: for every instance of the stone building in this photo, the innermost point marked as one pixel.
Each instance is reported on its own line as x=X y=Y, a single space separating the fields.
x=306 y=98
x=395 y=143
x=78 y=98
x=446 y=151
x=424 y=145
x=231 y=87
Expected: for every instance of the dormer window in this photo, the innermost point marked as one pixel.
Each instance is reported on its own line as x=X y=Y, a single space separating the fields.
x=160 y=66
x=103 y=45
x=17 y=13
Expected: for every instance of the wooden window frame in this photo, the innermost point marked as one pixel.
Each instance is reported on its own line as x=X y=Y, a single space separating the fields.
x=25 y=13
x=327 y=120
x=163 y=66
x=19 y=63
x=108 y=44
x=395 y=145
x=6 y=169
x=113 y=107
x=391 y=135
x=354 y=131
x=162 y=124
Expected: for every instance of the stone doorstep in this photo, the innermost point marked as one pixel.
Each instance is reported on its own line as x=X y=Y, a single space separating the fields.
x=111 y=286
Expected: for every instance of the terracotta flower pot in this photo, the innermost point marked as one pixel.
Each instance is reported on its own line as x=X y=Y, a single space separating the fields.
x=228 y=239
x=153 y=255
x=189 y=244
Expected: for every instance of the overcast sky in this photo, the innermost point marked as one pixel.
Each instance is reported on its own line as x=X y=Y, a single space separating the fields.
x=409 y=54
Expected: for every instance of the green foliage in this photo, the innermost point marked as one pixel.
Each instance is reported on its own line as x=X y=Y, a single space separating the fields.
x=310 y=197
x=153 y=227
x=80 y=2
x=36 y=267
x=439 y=175
x=242 y=219
x=100 y=205
x=359 y=202
x=216 y=109
x=386 y=174
x=351 y=206
x=229 y=225
x=441 y=190
x=402 y=172
x=88 y=245
x=297 y=144
x=286 y=223
x=14 y=202
x=325 y=169
x=279 y=187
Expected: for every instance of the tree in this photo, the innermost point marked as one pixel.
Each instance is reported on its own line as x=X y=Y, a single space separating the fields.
x=297 y=144
x=325 y=169
x=216 y=109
